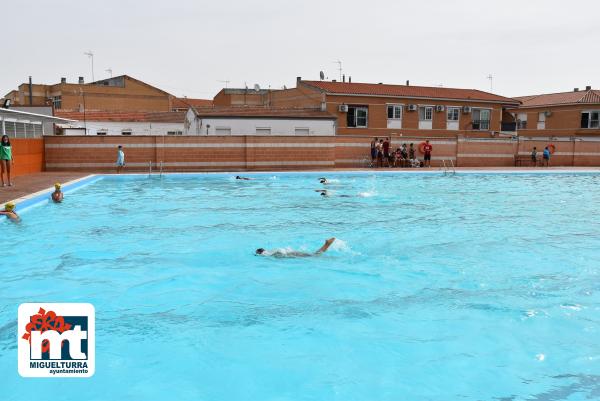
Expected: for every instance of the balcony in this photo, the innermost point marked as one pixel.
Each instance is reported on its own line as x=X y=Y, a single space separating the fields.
x=508 y=127
x=481 y=125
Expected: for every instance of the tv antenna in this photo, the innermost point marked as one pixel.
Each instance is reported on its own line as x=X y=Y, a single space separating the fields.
x=321 y=75
x=225 y=81
x=339 y=63
x=91 y=56
x=491 y=78
x=109 y=70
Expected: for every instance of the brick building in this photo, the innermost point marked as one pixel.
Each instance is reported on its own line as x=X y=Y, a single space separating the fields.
x=243 y=97
x=122 y=93
x=383 y=109
x=574 y=113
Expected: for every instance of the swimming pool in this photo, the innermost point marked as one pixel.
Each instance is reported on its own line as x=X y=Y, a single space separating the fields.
x=473 y=287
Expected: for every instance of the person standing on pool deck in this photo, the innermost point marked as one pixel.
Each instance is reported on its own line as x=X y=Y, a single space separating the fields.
x=9 y=211
x=120 y=159
x=373 y=151
x=534 y=156
x=427 y=148
x=6 y=159
x=386 y=151
x=546 y=156
x=57 y=195
x=295 y=254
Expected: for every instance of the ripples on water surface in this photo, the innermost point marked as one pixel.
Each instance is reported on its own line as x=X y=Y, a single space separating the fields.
x=472 y=287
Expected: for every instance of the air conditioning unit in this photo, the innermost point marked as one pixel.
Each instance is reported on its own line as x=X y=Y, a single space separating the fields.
x=343 y=108
x=466 y=109
x=439 y=108
x=411 y=107
x=548 y=113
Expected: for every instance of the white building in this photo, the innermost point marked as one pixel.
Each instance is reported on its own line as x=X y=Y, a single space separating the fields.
x=258 y=121
x=123 y=123
x=22 y=124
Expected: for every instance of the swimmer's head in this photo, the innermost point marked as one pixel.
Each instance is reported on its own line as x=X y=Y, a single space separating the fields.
x=322 y=180
x=57 y=185
x=260 y=251
x=323 y=193
x=9 y=207
x=237 y=177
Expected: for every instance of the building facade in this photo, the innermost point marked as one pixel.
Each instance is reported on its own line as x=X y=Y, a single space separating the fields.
x=259 y=121
x=122 y=93
x=390 y=110
x=122 y=123
x=565 y=114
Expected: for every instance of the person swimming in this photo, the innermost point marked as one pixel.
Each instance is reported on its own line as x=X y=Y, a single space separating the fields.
x=9 y=212
x=237 y=177
x=57 y=195
x=277 y=253
x=325 y=192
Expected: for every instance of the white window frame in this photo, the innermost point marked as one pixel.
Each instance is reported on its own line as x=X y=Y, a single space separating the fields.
x=589 y=113
x=305 y=131
x=396 y=111
x=356 y=108
x=127 y=131
x=456 y=109
x=102 y=131
x=267 y=130
x=425 y=110
x=489 y=126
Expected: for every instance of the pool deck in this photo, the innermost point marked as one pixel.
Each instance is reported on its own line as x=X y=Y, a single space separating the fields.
x=27 y=184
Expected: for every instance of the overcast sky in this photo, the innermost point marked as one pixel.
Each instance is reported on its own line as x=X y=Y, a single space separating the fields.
x=188 y=47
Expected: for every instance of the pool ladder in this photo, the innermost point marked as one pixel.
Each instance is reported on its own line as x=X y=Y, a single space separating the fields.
x=150 y=168
x=447 y=167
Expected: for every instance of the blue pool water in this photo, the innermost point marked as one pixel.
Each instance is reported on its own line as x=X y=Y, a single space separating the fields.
x=466 y=287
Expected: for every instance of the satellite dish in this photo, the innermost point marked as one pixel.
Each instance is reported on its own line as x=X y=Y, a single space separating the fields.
x=257 y=87
x=322 y=75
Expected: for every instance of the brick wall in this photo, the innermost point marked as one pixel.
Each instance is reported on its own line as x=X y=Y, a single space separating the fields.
x=227 y=153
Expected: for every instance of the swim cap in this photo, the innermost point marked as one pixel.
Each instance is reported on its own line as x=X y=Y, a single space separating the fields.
x=9 y=207
x=57 y=185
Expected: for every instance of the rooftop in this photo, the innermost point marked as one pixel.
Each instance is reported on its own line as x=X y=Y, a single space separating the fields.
x=262 y=112
x=186 y=102
x=552 y=99
x=124 y=116
x=426 y=92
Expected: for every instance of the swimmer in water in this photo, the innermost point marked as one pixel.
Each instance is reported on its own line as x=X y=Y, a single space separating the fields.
x=237 y=177
x=324 y=192
x=295 y=254
x=9 y=211
x=57 y=195
x=323 y=181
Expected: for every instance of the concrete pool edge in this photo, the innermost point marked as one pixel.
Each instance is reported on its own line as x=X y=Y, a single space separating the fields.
x=41 y=196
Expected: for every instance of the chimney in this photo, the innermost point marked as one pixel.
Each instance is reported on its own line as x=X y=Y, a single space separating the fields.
x=576 y=90
x=588 y=88
x=80 y=80
x=298 y=79
x=349 y=79
x=63 y=80
x=30 y=92
x=407 y=82
x=344 y=78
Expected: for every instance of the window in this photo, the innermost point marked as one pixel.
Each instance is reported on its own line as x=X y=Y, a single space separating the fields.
x=542 y=117
x=426 y=113
x=522 y=121
x=101 y=132
x=394 y=111
x=57 y=102
x=590 y=119
x=481 y=119
x=301 y=131
x=222 y=131
x=174 y=133
x=453 y=113
x=357 y=116
x=263 y=130
x=126 y=132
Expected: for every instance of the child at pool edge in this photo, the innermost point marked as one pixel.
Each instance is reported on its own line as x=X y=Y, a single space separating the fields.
x=296 y=254
x=120 y=159
x=57 y=195
x=9 y=212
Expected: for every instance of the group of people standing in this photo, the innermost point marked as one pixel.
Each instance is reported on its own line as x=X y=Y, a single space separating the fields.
x=404 y=156
x=545 y=156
